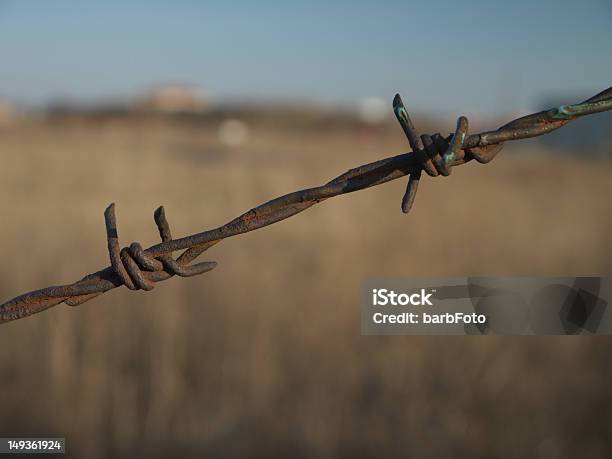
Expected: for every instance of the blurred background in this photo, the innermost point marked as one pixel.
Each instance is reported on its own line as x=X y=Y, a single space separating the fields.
x=211 y=108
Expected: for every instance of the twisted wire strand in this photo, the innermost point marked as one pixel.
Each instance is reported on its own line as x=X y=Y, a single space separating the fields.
x=137 y=268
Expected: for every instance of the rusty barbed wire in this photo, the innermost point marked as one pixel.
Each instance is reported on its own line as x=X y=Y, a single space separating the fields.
x=137 y=268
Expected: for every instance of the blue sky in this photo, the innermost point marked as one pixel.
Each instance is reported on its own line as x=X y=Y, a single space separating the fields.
x=441 y=55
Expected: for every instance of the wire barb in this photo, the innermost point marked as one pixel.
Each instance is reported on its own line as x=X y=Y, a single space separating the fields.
x=137 y=268
x=434 y=154
x=131 y=264
x=171 y=265
x=454 y=150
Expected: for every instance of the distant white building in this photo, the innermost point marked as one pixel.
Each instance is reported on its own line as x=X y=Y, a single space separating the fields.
x=174 y=98
x=373 y=110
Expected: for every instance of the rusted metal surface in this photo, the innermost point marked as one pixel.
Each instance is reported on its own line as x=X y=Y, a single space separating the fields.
x=436 y=155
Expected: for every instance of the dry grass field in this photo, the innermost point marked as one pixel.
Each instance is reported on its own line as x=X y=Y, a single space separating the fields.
x=263 y=356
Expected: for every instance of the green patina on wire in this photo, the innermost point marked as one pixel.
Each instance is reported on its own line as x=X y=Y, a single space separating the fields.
x=449 y=157
x=567 y=112
x=402 y=112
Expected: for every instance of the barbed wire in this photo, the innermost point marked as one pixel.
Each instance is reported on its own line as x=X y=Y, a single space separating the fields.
x=137 y=268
